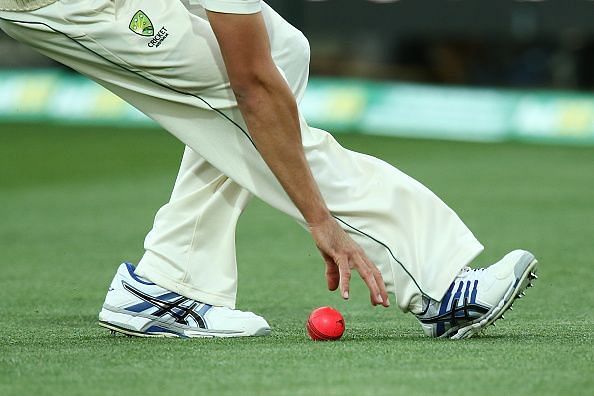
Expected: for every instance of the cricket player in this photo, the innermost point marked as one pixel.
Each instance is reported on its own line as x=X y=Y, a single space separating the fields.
x=225 y=78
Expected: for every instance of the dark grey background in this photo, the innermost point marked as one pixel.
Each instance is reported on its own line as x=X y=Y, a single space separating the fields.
x=535 y=44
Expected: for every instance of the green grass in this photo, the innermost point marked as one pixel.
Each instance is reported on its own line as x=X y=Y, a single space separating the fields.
x=75 y=202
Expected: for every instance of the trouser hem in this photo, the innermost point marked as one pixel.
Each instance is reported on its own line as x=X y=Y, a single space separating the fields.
x=147 y=270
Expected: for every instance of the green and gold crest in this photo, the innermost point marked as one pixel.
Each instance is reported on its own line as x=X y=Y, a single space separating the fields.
x=141 y=24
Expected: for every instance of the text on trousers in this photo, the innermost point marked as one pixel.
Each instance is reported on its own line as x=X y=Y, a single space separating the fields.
x=159 y=38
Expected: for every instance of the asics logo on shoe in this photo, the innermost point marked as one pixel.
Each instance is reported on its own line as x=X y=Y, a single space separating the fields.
x=175 y=307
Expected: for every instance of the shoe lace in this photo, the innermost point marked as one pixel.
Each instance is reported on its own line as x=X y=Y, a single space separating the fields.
x=464 y=271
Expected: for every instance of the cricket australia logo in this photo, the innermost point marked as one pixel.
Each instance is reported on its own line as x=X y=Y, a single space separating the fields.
x=141 y=24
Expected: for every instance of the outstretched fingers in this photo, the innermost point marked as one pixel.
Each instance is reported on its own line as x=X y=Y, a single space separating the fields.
x=332 y=273
x=339 y=270
x=366 y=273
x=379 y=281
x=342 y=255
x=345 y=275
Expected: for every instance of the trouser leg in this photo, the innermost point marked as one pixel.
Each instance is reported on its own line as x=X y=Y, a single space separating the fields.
x=418 y=242
x=191 y=247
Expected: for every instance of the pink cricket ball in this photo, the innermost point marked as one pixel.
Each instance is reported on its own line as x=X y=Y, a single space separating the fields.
x=325 y=324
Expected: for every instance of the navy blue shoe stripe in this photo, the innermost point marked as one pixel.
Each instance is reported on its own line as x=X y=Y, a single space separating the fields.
x=143 y=306
x=466 y=314
x=443 y=309
x=455 y=301
x=474 y=291
x=205 y=308
x=168 y=296
x=467 y=291
x=458 y=293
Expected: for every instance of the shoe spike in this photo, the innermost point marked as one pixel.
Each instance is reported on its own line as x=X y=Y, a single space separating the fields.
x=520 y=295
x=502 y=317
x=529 y=285
x=533 y=276
x=511 y=308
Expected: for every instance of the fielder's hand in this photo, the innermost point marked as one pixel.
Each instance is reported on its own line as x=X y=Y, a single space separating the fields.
x=342 y=255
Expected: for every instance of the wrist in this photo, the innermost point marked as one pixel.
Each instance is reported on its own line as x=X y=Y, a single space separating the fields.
x=318 y=219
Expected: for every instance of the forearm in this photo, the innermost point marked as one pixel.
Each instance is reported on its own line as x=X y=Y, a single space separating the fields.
x=271 y=114
x=269 y=109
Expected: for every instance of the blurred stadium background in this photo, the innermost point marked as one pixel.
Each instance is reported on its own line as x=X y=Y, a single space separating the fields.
x=461 y=69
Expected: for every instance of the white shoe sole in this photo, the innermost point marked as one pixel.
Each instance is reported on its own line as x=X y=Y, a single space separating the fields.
x=514 y=292
x=141 y=326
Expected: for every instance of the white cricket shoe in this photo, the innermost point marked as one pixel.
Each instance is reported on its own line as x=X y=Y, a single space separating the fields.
x=478 y=297
x=137 y=307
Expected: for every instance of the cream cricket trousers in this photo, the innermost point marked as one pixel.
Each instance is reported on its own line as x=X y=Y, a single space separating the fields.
x=177 y=77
